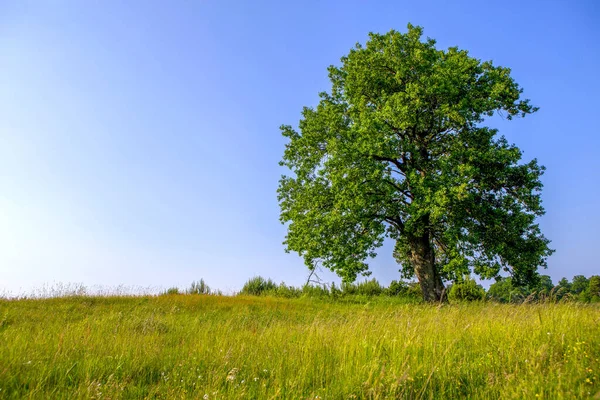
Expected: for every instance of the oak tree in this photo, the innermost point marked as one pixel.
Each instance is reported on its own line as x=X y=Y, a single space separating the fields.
x=398 y=149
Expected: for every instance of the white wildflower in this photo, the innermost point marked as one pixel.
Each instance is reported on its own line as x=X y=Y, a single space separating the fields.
x=232 y=374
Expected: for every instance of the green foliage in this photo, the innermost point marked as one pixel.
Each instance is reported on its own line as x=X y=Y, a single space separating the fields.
x=397 y=288
x=594 y=288
x=580 y=284
x=503 y=291
x=334 y=291
x=594 y=285
x=544 y=285
x=562 y=289
x=199 y=287
x=397 y=149
x=466 y=290
x=565 y=284
x=584 y=296
x=365 y=288
x=500 y=291
x=172 y=290
x=414 y=290
x=259 y=286
x=320 y=291
x=286 y=291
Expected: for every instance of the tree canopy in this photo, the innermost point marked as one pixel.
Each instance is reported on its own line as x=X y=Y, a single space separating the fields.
x=398 y=148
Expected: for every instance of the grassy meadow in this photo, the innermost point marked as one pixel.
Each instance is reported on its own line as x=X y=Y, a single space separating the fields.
x=249 y=347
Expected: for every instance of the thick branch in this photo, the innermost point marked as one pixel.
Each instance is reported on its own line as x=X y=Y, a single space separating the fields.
x=397 y=222
x=397 y=163
x=398 y=188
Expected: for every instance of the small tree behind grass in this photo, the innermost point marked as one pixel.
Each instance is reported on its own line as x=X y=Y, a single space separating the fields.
x=414 y=290
x=365 y=288
x=397 y=288
x=199 y=287
x=544 y=286
x=309 y=290
x=172 y=290
x=562 y=290
x=466 y=290
x=503 y=291
x=286 y=291
x=259 y=286
x=580 y=284
x=594 y=288
x=370 y=288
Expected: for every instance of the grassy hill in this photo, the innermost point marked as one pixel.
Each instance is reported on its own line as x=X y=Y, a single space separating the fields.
x=214 y=347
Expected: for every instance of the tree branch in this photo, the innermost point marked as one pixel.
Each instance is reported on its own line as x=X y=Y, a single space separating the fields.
x=395 y=162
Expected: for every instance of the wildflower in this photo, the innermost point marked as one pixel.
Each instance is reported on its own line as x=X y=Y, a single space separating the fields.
x=205 y=397
x=232 y=374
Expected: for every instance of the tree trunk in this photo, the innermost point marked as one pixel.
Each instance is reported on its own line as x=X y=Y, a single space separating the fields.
x=423 y=261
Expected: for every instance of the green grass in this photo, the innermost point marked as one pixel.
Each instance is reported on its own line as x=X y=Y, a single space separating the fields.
x=192 y=346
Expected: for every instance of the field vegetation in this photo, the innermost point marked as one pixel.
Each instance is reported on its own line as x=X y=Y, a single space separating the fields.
x=355 y=342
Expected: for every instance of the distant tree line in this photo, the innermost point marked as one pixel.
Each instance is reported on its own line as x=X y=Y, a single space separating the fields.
x=580 y=289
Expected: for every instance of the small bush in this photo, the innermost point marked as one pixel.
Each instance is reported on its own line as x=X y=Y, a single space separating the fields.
x=503 y=291
x=594 y=286
x=397 y=288
x=286 y=291
x=365 y=288
x=369 y=288
x=334 y=291
x=584 y=296
x=348 y=288
x=414 y=290
x=466 y=290
x=259 y=286
x=314 y=291
x=172 y=290
x=199 y=287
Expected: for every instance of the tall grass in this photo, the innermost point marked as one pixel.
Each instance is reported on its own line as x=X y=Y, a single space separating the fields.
x=190 y=346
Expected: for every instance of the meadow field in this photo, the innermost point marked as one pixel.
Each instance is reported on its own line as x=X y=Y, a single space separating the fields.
x=184 y=346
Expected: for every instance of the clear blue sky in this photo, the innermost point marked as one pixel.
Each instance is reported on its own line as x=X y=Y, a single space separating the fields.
x=139 y=141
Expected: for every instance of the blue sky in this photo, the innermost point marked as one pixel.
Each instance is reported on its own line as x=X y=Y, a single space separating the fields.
x=139 y=141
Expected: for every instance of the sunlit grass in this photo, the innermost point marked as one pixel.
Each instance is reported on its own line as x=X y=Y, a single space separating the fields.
x=192 y=346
